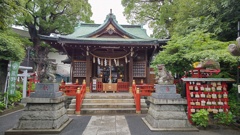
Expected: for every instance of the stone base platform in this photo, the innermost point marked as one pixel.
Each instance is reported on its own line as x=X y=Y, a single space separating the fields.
x=37 y=131
x=169 y=129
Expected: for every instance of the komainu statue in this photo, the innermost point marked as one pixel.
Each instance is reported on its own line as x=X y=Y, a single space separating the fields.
x=163 y=76
x=47 y=75
x=235 y=49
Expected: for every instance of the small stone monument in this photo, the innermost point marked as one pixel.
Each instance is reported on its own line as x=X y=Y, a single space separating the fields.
x=44 y=111
x=166 y=111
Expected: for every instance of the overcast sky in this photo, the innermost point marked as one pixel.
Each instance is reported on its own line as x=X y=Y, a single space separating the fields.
x=101 y=8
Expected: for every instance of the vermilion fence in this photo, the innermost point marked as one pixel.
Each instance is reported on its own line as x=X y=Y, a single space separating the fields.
x=146 y=89
x=69 y=89
x=141 y=90
x=79 y=97
x=122 y=86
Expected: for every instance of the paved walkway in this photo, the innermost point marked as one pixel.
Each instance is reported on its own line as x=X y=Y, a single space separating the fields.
x=110 y=125
x=107 y=125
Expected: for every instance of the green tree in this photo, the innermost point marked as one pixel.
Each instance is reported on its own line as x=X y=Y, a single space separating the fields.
x=182 y=51
x=11 y=45
x=8 y=8
x=51 y=16
x=11 y=49
x=182 y=17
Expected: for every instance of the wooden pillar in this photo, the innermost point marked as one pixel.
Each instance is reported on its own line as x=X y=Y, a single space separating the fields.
x=147 y=67
x=147 y=80
x=95 y=74
x=125 y=72
x=88 y=74
x=130 y=71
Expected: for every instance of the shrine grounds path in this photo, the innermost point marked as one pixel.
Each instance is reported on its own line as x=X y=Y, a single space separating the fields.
x=134 y=122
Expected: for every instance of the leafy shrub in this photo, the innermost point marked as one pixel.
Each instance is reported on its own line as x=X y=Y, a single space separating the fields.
x=2 y=105
x=13 y=99
x=233 y=101
x=224 y=118
x=201 y=118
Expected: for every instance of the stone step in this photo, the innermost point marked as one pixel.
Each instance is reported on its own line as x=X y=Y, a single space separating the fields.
x=108 y=96
x=110 y=105
x=97 y=111
x=106 y=105
x=71 y=111
x=108 y=100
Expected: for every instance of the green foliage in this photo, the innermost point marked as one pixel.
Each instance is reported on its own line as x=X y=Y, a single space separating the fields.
x=201 y=118
x=54 y=16
x=233 y=101
x=8 y=9
x=181 y=17
x=2 y=104
x=182 y=51
x=224 y=118
x=11 y=47
x=13 y=99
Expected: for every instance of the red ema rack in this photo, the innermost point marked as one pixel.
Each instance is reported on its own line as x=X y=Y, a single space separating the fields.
x=207 y=93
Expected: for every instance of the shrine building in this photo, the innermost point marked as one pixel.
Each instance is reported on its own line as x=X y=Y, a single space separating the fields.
x=108 y=55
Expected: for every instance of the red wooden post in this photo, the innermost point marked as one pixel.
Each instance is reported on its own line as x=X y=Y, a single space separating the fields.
x=138 y=101
x=133 y=86
x=78 y=98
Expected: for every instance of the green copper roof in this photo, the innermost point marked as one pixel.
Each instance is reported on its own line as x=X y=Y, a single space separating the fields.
x=84 y=30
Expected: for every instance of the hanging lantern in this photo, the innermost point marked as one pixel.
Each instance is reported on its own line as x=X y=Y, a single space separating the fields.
x=126 y=59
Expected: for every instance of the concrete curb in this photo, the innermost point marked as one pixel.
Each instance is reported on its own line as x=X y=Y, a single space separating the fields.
x=191 y=129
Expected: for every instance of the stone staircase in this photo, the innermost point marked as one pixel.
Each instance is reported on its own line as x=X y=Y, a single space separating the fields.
x=108 y=103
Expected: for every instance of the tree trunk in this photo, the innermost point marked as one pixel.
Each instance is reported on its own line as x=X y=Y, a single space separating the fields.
x=40 y=53
x=3 y=74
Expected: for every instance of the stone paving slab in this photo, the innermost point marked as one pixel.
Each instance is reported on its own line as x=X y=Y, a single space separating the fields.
x=134 y=122
x=107 y=125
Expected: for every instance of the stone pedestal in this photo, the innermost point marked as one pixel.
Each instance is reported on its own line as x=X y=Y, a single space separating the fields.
x=166 y=111
x=44 y=112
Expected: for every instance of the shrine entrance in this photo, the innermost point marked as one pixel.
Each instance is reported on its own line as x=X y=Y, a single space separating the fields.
x=109 y=73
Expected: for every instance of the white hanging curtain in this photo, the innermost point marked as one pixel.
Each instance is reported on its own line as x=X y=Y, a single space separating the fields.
x=105 y=62
x=110 y=64
x=115 y=62
x=99 y=62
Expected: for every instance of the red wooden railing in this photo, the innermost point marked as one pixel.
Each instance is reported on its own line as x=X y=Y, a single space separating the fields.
x=79 y=97
x=146 y=89
x=137 y=97
x=122 y=86
x=141 y=90
x=69 y=89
